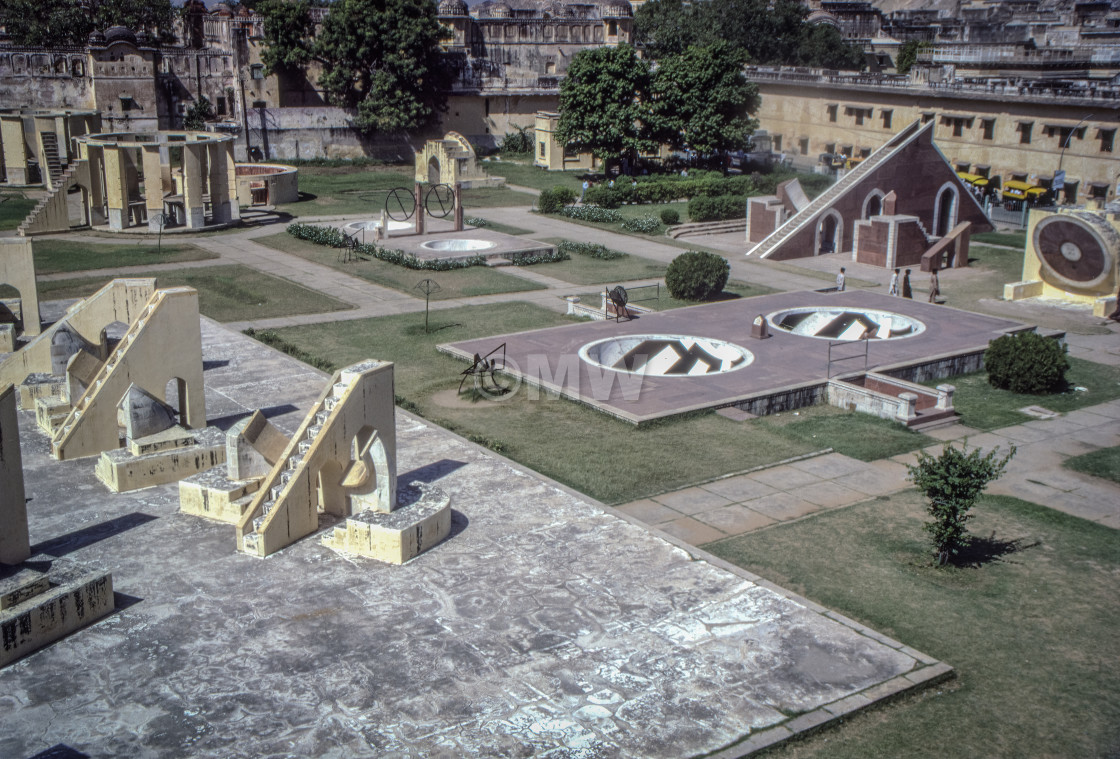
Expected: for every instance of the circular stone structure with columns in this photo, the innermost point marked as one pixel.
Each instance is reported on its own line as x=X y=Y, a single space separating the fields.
x=156 y=179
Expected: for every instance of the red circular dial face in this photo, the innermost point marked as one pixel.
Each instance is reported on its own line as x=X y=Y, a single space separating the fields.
x=1072 y=250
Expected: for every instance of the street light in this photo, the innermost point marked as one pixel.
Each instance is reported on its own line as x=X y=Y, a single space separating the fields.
x=1058 y=175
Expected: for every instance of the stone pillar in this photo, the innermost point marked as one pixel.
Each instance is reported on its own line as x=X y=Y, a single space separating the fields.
x=153 y=186
x=15 y=153
x=218 y=179
x=945 y=396
x=192 y=186
x=95 y=155
x=421 y=212
x=116 y=198
x=457 y=204
x=231 y=181
x=911 y=409
x=14 y=543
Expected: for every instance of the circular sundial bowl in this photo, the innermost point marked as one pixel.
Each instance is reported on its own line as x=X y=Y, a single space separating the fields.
x=460 y=244
x=666 y=355
x=838 y=323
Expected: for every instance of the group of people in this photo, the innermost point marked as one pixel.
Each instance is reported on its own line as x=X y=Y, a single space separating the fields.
x=898 y=287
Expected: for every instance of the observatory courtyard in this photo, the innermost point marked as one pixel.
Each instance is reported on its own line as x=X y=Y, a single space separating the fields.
x=544 y=625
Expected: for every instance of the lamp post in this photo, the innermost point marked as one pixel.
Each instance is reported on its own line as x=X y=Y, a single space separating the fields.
x=1062 y=155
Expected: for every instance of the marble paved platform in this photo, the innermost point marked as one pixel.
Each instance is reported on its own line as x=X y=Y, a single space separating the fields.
x=549 y=357
x=545 y=626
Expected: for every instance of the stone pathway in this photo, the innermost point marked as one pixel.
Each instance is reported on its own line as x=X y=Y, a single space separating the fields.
x=748 y=502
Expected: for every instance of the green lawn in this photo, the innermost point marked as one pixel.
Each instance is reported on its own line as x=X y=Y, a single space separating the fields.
x=528 y=175
x=225 y=293
x=986 y=408
x=860 y=436
x=505 y=229
x=658 y=299
x=53 y=255
x=458 y=283
x=1032 y=635
x=1014 y=239
x=14 y=208
x=1104 y=463
x=608 y=459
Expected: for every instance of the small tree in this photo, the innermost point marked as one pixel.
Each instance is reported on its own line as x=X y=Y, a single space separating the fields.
x=952 y=482
x=551 y=201
x=198 y=114
x=519 y=141
x=1027 y=363
x=697 y=275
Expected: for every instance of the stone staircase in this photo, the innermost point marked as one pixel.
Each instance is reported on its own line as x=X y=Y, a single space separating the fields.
x=57 y=193
x=69 y=425
x=275 y=488
x=708 y=228
x=52 y=159
x=807 y=214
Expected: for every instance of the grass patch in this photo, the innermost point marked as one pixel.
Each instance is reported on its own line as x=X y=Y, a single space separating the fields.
x=225 y=293
x=987 y=408
x=1013 y=239
x=1104 y=463
x=562 y=439
x=505 y=229
x=526 y=174
x=1031 y=634
x=860 y=436
x=734 y=290
x=458 y=283
x=53 y=256
x=496 y=197
x=14 y=208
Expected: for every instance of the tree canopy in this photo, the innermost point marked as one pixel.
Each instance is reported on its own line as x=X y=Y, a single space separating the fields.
x=605 y=103
x=702 y=100
x=381 y=57
x=770 y=32
x=55 y=23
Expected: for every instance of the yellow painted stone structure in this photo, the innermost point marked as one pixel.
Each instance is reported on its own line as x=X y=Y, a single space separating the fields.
x=14 y=544
x=37 y=145
x=342 y=460
x=1072 y=255
x=451 y=161
x=182 y=178
x=17 y=270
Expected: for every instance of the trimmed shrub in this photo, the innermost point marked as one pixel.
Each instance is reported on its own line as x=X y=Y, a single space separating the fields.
x=669 y=217
x=605 y=197
x=554 y=200
x=334 y=238
x=590 y=249
x=1027 y=363
x=592 y=213
x=705 y=208
x=646 y=225
x=697 y=275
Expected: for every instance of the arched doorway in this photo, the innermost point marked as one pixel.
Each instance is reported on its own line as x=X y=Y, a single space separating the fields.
x=872 y=205
x=945 y=211
x=433 y=171
x=829 y=232
x=77 y=205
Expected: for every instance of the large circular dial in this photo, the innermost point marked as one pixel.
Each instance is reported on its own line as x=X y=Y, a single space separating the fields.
x=1074 y=251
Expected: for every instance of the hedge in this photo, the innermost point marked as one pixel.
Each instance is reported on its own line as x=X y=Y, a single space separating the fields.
x=718 y=208
x=590 y=249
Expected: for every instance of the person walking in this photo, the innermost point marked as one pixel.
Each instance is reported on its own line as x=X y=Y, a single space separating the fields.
x=894 y=284
x=840 y=280
x=934 y=286
x=583 y=192
x=906 y=291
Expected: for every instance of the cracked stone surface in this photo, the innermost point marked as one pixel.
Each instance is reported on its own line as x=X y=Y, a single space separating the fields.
x=544 y=626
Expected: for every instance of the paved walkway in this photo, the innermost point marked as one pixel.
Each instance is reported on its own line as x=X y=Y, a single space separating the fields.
x=745 y=503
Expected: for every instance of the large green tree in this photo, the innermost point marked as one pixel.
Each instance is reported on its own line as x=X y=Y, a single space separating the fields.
x=605 y=103
x=54 y=23
x=381 y=57
x=701 y=99
x=770 y=31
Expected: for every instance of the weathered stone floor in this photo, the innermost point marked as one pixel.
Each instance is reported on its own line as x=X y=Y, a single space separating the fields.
x=545 y=626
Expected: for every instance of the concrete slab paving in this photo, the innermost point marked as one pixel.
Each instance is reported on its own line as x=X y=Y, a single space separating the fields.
x=830 y=494
x=739 y=488
x=830 y=465
x=735 y=519
x=648 y=511
x=785 y=477
x=783 y=506
x=544 y=626
x=692 y=500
